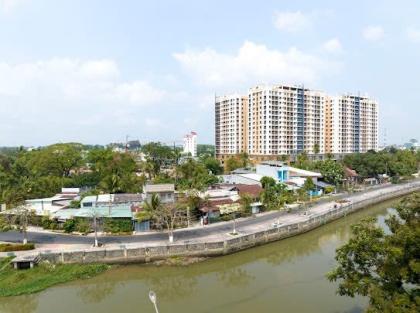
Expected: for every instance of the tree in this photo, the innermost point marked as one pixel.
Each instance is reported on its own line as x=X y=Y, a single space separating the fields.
x=116 y=171
x=232 y=164
x=22 y=214
x=213 y=165
x=302 y=161
x=194 y=175
x=316 y=148
x=309 y=185
x=383 y=266
x=244 y=159
x=158 y=155
x=267 y=181
x=246 y=200
x=169 y=215
x=332 y=171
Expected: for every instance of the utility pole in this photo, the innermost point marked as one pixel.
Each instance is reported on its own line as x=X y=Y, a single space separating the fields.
x=95 y=223
x=126 y=143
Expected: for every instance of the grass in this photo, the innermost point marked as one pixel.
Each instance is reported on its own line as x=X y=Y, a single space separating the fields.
x=6 y=247
x=18 y=282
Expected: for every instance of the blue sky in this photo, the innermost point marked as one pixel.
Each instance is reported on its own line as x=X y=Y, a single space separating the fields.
x=95 y=71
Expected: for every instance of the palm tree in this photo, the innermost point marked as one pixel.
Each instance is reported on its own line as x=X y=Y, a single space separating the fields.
x=153 y=204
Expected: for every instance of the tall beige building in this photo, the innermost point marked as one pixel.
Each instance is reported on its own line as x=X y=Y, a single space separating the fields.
x=352 y=124
x=231 y=117
x=284 y=120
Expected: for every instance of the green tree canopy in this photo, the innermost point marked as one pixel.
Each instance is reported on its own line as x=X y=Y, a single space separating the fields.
x=232 y=164
x=383 y=265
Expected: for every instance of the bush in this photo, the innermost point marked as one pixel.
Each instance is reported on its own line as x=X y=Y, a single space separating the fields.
x=118 y=226
x=69 y=226
x=4 y=225
x=395 y=179
x=46 y=222
x=83 y=226
x=329 y=189
x=6 y=247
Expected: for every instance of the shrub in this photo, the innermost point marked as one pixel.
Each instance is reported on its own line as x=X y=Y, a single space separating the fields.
x=83 y=226
x=4 y=225
x=46 y=222
x=6 y=247
x=118 y=226
x=329 y=189
x=69 y=226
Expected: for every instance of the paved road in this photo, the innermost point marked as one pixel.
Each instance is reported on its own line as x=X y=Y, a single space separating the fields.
x=247 y=225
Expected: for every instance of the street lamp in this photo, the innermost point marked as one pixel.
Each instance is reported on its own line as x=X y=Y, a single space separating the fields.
x=153 y=299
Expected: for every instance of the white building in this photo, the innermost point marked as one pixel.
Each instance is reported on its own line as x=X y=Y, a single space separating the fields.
x=285 y=120
x=190 y=144
x=351 y=124
x=231 y=116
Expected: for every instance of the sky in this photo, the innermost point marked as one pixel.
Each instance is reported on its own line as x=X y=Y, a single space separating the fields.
x=95 y=71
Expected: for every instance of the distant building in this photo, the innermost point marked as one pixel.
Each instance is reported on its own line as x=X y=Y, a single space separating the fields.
x=190 y=144
x=351 y=124
x=274 y=120
x=412 y=144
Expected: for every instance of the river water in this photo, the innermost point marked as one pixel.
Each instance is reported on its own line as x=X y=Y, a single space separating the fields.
x=285 y=276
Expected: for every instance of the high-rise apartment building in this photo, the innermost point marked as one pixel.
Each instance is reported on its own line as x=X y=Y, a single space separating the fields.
x=283 y=120
x=190 y=144
x=352 y=124
x=231 y=117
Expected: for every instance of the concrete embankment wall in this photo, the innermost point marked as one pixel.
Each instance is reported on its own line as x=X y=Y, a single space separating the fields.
x=125 y=254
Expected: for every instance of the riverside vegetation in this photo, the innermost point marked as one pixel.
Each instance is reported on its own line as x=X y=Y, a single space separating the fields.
x=14 y=283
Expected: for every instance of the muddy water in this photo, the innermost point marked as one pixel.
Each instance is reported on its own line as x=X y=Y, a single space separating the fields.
x=286 y=276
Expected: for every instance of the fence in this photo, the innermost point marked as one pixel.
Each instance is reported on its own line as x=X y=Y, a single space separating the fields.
x=127 y=254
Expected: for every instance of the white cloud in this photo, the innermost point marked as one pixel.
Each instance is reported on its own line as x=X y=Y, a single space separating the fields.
x=71 y=99
x=8 y=6
x=373 y=33
x=73 y=79
x=295 y=21
x=333 y=46
x=253 y=63
x=413 y=34
x=291 y=21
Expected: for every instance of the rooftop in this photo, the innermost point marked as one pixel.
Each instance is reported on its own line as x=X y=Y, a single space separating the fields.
x=159 y=188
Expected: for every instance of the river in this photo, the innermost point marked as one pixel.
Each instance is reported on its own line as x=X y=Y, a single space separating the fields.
x=285 y=276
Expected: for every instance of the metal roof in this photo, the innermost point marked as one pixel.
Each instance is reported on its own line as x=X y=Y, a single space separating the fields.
x=115 y=211
x=159 y=188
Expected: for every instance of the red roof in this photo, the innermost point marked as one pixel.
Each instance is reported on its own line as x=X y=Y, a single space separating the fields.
x=253 y=190
x=349 y=172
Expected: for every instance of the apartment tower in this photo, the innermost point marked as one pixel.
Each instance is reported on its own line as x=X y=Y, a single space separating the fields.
x=351 y=124
x=231 y=117
x=277 y=120
x=285 y=120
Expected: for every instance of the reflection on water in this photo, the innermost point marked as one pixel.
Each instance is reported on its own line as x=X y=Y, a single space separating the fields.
x=97 y=291
x=25 y=304
x=285 y=276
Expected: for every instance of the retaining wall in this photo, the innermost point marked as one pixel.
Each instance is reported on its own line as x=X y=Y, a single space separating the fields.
x=129 y=254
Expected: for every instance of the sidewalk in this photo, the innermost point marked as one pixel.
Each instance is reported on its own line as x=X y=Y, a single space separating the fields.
x=220 y=231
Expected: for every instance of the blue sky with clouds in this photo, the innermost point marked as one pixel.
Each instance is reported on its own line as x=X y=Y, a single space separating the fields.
x=94 y=71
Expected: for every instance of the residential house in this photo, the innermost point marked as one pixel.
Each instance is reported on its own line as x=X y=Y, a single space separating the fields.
x=166 y=192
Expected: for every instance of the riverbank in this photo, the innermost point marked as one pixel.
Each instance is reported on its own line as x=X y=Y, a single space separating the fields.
x=273 y=276
x=216 y=241
x=43 y=276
